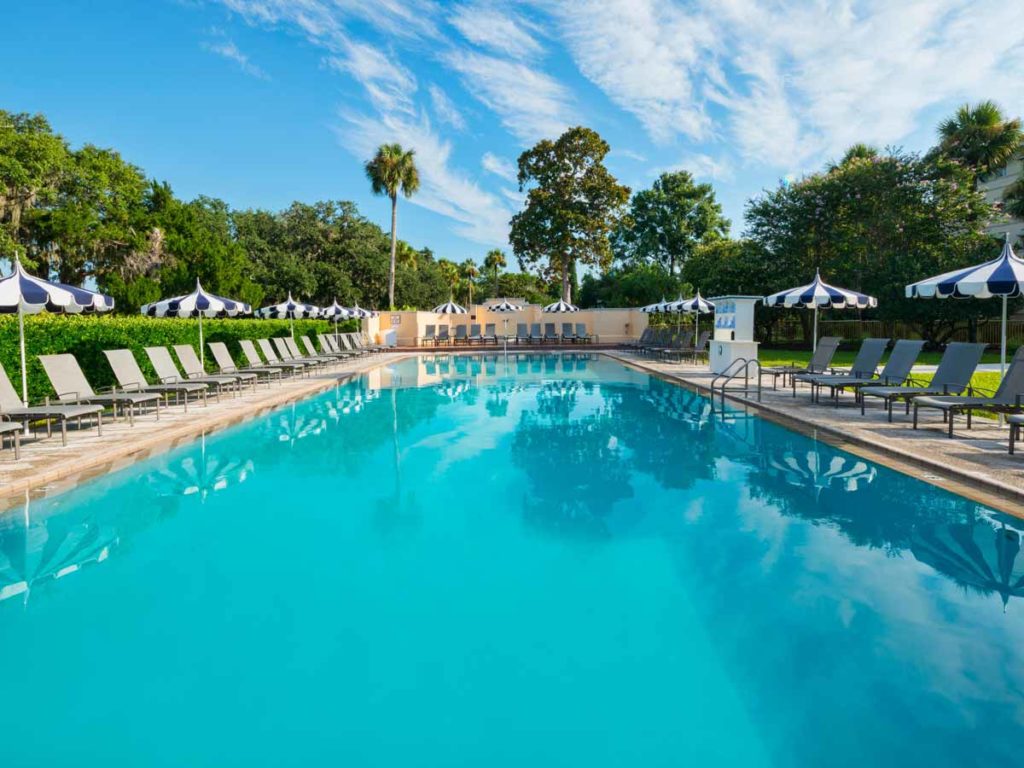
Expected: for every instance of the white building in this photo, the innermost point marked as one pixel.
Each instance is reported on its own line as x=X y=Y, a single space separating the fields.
x=994 y=186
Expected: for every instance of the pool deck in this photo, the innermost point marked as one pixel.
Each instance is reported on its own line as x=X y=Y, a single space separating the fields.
x=47 y=467
x=975 y=463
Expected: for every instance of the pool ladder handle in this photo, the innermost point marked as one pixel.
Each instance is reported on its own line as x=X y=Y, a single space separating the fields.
x=738 y=367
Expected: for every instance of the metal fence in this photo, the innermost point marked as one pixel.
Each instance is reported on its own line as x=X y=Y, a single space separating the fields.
x=849 y=330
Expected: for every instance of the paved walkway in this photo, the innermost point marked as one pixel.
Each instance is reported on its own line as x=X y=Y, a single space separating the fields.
x=46 y=466
x=975 y=463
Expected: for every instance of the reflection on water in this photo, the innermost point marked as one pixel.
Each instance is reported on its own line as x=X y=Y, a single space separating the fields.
x=775 y=546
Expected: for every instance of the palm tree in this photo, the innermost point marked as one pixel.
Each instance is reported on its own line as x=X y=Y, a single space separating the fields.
x=858 y=151
x=470 y=272
x=450 y=274
x=494 y=262
x=393 y=170
x=980 y=137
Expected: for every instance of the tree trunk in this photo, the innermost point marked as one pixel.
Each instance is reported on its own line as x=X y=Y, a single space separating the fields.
x=394 y=248
x=566 y=287
x=496 y=294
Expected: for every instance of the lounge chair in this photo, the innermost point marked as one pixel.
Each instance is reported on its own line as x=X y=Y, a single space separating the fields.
x=819 y=362
x=678 y=344
x=299 y=354
x=429 y=335
x=442 y=335
x=166 y=370
x=71 y=386
x=348 y=344
x=490 y=334
x=895 y=373
x=550 y=334
x=461 y=337
x=1006 y=399
x=362 y=341
x=1015 y=421
x=226 y=365
x=254 y=361
x=285 y=352
x=535 y=335
x=13 y=409
x=328 y=354
x=474 y=334
x=12 y=430
x=700 y=347
x=568 y=334
x=522 y=337
x=582 y=335
x=130 y=378
x=272 y=358
x=194 y=369
x=864 y=366
x=952 y=377
x=636 y=344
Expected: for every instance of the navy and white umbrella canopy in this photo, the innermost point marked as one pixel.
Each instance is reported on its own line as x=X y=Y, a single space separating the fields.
x=450 y=308
x=696 y=306
x=335 y=312
x=820 y=295
x=24 y=294
x=200 y=303
x=290 y=309
x=505 y=306
x=360 y=313
x=561 y=306
x=1002 y=277
x=656 y=307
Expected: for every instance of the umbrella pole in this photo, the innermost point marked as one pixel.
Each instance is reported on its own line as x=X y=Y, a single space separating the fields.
x=1002 y=347
x=202 y=354
x=814 y=341
x=24 y=369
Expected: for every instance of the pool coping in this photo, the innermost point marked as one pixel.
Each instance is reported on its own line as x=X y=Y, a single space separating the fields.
x=983 y=490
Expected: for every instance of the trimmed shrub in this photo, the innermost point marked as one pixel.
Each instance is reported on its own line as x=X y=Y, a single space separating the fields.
x=87 y=336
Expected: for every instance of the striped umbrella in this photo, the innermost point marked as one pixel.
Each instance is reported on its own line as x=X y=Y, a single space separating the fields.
x=1003 y=277
x=815 y=469
x=561 y=306
x=27 y=295
x=359 y=312
x=450 y=308
x=289 y=309
x=656 y=307
x=696 y=306
x=819 y=294
x=199 y=304
x=505 y=306
x=335 y=312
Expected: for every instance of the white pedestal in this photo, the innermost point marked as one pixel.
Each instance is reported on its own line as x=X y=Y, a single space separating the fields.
x=723 y=353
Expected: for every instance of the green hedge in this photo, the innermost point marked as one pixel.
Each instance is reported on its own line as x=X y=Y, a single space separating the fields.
x=87 y=336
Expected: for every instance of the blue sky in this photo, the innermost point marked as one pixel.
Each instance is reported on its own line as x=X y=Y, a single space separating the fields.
x=262 y=102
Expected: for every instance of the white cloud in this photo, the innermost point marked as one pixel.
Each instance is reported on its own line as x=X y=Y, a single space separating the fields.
x=645 y=55
x=703 y=167
x=480 y=215
x=389 y=85
x=499 y=166
x=228 y=50
x=445 y=109
x=531 y=104
x=489 y=27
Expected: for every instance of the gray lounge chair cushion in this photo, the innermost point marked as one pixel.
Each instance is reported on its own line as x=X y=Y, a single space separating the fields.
x=70 y=384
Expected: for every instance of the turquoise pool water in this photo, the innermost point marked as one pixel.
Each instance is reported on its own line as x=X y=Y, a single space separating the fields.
x=556 y=561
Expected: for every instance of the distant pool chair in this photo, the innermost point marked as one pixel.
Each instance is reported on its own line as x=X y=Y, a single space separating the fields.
x=1006 y=399
x=298 y=354
x=550 y=334
x=461 y=337
x=194 y=369
x=429 y=336
x=12 y=408
x=226 y=365
x=71 y=386
x=286 y=353
x=443 y=339
x=952 y=377
x=131 y=379
x=582 y=336
x=819 y=362
x=568 y=334
x=490 y=334
x=522 y=336
x=864 y=366
x=535 y=334
x=474 y=334
x=271 y=356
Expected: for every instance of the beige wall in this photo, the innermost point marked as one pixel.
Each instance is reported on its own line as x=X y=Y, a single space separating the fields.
x=609 y=325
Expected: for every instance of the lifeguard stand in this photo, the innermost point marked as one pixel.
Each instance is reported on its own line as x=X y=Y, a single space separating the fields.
x=734 y=331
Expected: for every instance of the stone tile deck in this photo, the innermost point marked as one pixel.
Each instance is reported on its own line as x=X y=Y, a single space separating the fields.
x=975 y=463
x=47 y=467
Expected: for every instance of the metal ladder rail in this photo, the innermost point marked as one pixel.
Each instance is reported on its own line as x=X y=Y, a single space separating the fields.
x=729 y=374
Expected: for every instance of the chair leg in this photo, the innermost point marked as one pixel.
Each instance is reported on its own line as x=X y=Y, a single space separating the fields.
x=1013 y=437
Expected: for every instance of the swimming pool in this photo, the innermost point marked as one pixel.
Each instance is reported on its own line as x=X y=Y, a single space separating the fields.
x=549 y=560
